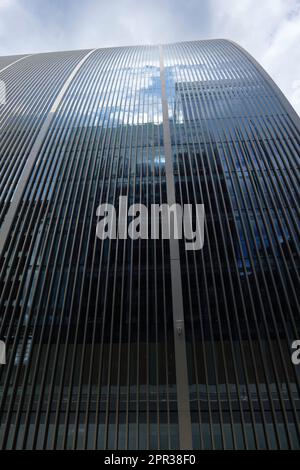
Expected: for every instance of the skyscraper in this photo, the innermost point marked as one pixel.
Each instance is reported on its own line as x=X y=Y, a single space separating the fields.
x=142 y=344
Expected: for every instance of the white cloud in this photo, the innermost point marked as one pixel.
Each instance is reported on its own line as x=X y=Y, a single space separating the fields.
x=268 y=29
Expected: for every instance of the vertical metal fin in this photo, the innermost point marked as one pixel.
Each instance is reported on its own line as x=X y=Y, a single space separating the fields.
x=17 y=197
x=13 y=63
x=184 y=414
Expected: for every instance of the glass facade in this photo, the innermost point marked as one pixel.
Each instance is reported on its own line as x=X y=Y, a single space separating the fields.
x=94 y=360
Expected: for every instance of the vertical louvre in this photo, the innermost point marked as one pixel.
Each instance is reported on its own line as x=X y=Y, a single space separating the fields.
x=234 y=150
x=88 y=323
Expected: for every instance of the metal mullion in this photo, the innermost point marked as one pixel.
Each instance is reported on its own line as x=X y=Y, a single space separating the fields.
x=122 y=309
x=95 y=318
x=223 y=287
x=156 y=318
x=89 y=296
x=287 y=141
x=68 y=170
x=211 y=329
x=109 y=263
x=148 y=198
x=256 y=385
x=103 y=339
x=91 y=136
x=271 y=143
x=137 y=423
x=9 y=59
x=76 y=333
x=133 y=154
x=131 y=57
x=84 y=341
x=98 y=402
x=262 y=172
x=248 y=331
x=158 y=182
x=21 y=80
x=254 y=149
x=237 y=321
x=247 y=382
x=129 y=273
x=14 y=62
x=293 y=130
x=35 y=171
x=30 y=162
x=275 y=138
x=187 y=262
x=263 y=309
x=166 y=347
x=57 y=344
x=25 y=219
x=282 y=196
x=104 y=317
x=28 y=104
x=269 y=299
x=267 y=79
x=38 y=277
x=268 y=211
x=248 y=249
x=122 y=301
x=157 y=136
x=267 y=185
x=154 y=280
x=290 y=114
x=243 y=359
x=239 y=334
x=192 y=324
x=225 y=297
x=250 y=258
x=24 y=340
x=154 y=294
x=202 y=329
x=29 y=135
x=162 y=182
x=254 y=271
x=136 y=93
x=69 y=326
x=271 y=272
x=184 y=415
x=218 y=315
x=285 y=181
x=70 y=317
x=292 y=133
x=27 y=130
x=268 y=338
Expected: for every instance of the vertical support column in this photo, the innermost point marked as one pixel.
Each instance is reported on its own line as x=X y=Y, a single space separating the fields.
x=184 y=414
x=18 y=194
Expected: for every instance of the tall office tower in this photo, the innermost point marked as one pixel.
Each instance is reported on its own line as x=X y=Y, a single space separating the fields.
x=143 y=344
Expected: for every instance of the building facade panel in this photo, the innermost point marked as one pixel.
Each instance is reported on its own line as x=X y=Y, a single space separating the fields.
x=90 y=325
x=234 y=150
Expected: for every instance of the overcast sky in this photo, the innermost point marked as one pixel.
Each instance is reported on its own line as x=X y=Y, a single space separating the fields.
x=268 y=29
